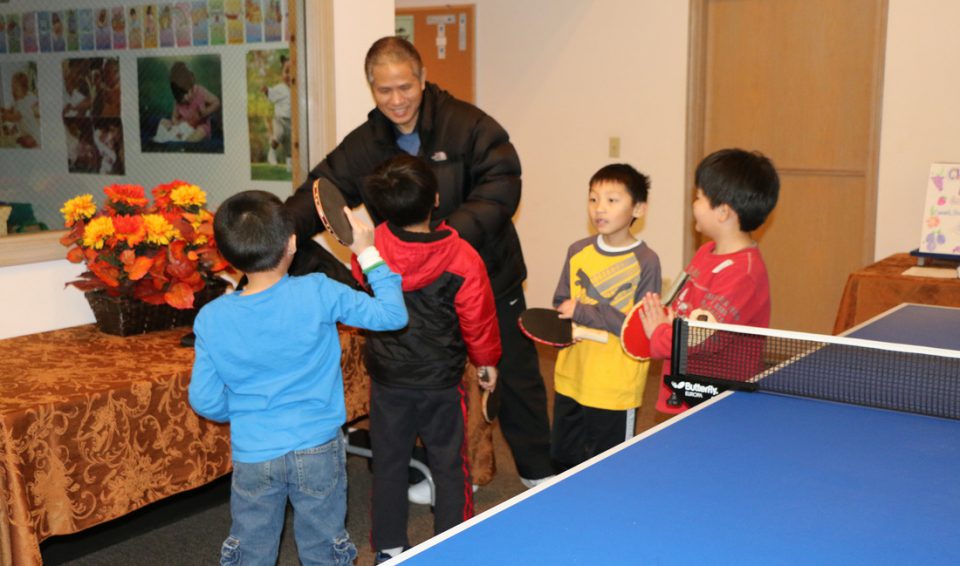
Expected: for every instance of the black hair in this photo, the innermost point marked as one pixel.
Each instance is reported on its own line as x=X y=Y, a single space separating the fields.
x=746 y=181
x=636 y=183
x=402 y=190
x=252 y=230
x=392 y=49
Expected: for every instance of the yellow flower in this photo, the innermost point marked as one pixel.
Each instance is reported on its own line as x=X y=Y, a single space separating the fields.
x=159 y=230
x=188 y=195
x=79 y=208
x=97 y=231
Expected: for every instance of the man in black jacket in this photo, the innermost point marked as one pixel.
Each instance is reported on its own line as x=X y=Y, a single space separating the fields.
x=478 y=172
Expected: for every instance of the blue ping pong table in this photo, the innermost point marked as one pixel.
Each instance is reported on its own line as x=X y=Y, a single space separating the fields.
x=747 y=478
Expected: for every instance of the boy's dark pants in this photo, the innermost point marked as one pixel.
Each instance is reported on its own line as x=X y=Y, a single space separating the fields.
x=581 y=432
x=397 y=416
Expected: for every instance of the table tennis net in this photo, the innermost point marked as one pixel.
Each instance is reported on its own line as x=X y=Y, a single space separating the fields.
x=712 y=357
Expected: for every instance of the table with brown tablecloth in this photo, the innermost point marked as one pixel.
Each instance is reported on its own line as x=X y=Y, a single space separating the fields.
x=94 y=426
x=881 y=286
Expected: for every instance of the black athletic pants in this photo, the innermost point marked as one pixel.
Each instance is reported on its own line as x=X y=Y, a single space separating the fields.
x=397 y=416
x=523 y=397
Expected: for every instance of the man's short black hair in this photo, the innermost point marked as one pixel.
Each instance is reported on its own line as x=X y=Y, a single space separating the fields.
x=252 y=230
x=746 y=181
x=402 y=190
x=636 y=183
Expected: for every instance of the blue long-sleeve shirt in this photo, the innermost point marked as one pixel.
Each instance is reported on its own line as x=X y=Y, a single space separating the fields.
x=269 y=363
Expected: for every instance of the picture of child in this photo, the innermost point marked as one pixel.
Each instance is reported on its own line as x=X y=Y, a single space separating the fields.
x=20 y=113
x=198 y=18
x=180 y=108
x=103 y=32
x=81 y=152
x=134 y=28
x=149 y=26
x=119 y=26
x=58 y=34
x=166 y=26
x=269 y=96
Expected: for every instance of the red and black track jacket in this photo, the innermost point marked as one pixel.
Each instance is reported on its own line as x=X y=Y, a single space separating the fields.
x=450 y=305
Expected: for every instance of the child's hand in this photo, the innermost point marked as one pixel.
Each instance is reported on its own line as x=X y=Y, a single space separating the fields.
x=653 y=314
x=362 y=232
x=487 y=377
x=566 y=308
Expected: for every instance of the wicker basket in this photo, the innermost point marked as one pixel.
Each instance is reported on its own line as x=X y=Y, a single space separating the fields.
x=126 y=316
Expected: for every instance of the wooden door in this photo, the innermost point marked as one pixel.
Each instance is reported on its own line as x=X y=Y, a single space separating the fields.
x=444 y=36
x=800 y=81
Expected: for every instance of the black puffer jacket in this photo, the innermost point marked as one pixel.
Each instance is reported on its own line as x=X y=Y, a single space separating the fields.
x=477 y=169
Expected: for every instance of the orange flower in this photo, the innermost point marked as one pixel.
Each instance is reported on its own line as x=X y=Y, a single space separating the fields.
x=79 y=208
x=130 y=229
x=159 y=254
x=125 y=195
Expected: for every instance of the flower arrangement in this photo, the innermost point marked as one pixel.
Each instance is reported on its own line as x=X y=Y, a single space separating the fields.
x=159 y=254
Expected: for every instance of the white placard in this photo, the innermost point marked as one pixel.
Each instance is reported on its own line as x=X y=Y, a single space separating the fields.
x=941 y=214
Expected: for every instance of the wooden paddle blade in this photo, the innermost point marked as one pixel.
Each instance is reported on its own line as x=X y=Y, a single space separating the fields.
x=330 y=203
x=546 y=327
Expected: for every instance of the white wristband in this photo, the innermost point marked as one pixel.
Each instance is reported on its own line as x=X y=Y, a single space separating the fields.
x=369 y=258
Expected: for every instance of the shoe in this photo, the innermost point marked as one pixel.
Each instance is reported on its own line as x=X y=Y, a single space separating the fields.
x=420 y=493
x=534 y=483
x=383 y=555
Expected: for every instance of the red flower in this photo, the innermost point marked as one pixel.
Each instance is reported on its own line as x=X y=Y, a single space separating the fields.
x=167 y=270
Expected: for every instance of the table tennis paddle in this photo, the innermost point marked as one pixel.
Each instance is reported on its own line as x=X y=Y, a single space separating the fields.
x=633 y=339
x=329 y=202
x=546 y=327
x=490 y=399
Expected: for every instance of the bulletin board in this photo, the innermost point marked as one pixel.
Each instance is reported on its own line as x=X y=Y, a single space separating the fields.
x=444 y=36
x=100 y=80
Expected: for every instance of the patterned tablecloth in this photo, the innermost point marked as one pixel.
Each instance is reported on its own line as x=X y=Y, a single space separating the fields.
x=882 y=285
x=94 y=426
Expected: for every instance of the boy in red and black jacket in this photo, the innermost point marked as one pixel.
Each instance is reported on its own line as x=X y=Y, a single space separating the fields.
x=416 y=372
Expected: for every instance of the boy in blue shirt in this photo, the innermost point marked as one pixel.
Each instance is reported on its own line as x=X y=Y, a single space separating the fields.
x=268 y=361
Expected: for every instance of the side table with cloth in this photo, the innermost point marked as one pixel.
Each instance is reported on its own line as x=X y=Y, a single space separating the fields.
x=94 y=426
x=881 y=286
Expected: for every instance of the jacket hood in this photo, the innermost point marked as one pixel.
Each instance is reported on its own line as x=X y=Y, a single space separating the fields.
x=419 y=258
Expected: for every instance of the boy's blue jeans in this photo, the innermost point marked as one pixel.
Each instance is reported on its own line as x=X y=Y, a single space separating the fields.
x=315 y=481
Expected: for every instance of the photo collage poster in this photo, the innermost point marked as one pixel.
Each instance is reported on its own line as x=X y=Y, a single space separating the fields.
x=90 y=102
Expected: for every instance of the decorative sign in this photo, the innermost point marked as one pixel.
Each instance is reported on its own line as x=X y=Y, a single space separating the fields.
x=941 y=215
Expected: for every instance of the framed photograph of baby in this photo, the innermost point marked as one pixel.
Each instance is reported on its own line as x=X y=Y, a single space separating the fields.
x=19 y=105
x=269 y=78
x=179 y=100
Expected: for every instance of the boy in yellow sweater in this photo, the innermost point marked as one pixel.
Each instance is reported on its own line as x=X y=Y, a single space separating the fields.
x=598 y=387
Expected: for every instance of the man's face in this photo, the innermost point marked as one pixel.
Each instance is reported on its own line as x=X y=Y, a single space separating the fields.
x=397 y=92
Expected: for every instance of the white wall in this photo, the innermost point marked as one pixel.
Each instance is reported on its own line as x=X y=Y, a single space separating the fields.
x=563 y=76
x=921 y=124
